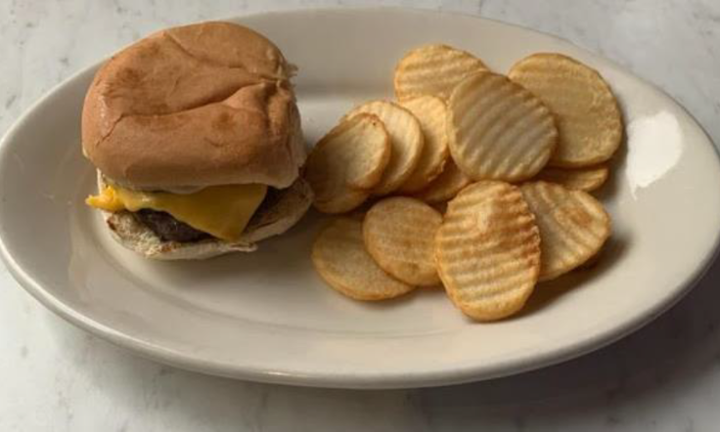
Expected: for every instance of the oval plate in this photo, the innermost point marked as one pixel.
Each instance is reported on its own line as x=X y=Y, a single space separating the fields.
x=267 y=317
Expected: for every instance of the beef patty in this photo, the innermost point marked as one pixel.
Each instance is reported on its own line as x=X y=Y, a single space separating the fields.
x=170 y=229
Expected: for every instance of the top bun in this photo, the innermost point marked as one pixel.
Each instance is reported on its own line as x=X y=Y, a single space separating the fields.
x=195 y=106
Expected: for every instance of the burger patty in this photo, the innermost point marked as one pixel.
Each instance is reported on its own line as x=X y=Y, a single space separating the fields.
x=168 y=228
x=165 y=226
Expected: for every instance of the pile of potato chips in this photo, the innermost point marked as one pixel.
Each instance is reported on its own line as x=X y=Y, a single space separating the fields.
x=477 y=181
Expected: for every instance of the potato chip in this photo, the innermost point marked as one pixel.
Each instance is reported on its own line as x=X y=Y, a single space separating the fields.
x=433 y=70
x=584 y=179
x=347 y=162
x=431 y=113
x=399 y=234
x=406 y=139
x=498 y=130
x=573 y=226
x=339 y=256
x=446 y=186
x=487 y=250
x=587 y=114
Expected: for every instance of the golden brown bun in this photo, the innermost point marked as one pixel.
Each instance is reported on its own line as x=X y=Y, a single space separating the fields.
x=195 y=106
x=286 y=211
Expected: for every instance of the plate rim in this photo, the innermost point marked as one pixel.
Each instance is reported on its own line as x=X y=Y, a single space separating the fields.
x=438 y=377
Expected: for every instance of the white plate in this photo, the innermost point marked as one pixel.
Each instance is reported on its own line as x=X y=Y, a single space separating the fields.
x=266 y=316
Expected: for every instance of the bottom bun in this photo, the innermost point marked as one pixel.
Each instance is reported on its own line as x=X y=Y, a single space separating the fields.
x=289 y=207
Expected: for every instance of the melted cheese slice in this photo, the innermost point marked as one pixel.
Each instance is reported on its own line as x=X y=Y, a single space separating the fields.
x=222 y=211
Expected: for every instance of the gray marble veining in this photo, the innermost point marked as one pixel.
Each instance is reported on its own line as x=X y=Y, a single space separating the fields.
x=665 y=377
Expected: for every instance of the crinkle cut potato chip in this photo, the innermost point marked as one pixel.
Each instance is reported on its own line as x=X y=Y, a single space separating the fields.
x=339 y=256
x=446 y=186
x=584 y=179
x=406 y=139
x=587 y=113
x=431 y=112
x=498 y=130
x=487 y=250
x=399 y=234
x=573 y=226
x=347 y=162
x=433 y=70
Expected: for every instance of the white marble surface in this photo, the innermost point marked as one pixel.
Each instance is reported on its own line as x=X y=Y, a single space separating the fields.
x=665 y=377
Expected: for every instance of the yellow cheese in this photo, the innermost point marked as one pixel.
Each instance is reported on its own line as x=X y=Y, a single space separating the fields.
x=222 y=211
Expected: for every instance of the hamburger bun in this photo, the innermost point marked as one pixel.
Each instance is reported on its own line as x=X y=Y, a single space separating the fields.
x=290 y=206
x=195 y=106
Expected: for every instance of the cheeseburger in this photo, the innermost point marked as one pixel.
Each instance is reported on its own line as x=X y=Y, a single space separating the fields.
x=196 y=138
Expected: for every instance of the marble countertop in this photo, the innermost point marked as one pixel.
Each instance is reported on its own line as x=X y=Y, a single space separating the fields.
x=666 y=377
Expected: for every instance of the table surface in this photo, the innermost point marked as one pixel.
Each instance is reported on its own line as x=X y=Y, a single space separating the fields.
x=665 y=377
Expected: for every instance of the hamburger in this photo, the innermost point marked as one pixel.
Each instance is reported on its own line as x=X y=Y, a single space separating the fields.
x=196 y=137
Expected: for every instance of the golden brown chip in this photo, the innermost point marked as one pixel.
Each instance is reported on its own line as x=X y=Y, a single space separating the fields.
x=339 y=256
x=587 y=113
x=431 y=113
x=584 y=179
x=487 y=250
x=573 y=226
x=446 y=186
x=433 y=70
x=347 y=162
x=399 y=234
x=406 y=139
x=498 y=130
